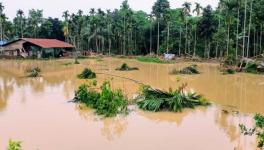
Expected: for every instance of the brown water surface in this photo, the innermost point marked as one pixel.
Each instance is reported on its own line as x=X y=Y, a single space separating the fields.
x=37 y=111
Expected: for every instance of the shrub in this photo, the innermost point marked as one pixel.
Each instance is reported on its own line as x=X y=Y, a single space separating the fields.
x=107 y=102
x=192 y=69
x=87 y=74
x=229 y=71
x=156 y=100
x=14 y=145
x=33 y=72
x=125 y=67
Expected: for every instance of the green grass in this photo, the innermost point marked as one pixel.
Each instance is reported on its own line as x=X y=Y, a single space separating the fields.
x=152 y=60
x=107 y=102
x=87 y=74
x=175 y=101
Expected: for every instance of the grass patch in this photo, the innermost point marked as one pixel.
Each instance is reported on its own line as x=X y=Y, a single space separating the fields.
x=107 y=102
x=125 y=67
x=157 y=100
x=258 y=130
x=192 y=69
x=14 y=145
x=87 y=74
x=33 y=72
x=152 y=60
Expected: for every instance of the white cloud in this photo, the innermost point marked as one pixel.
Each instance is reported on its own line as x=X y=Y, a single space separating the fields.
x=54 y=8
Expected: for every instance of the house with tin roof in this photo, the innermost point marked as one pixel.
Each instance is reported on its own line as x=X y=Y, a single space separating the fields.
x=36 y=48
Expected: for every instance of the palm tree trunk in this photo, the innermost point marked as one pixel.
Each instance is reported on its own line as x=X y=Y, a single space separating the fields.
x=150 y=40
x=195 y=42
x=186 y=36
x=228 y=37
x=180 y=42
x=238 y=21
x=244 y=36
x=168 y=37
x=249 y=26
x=158 y=41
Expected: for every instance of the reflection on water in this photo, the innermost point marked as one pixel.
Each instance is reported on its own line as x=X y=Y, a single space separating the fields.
x=40 y=106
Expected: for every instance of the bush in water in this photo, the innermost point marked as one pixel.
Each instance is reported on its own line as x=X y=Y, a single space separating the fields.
x=14 y=145
x=87 y=74
x=125 y=67
x=107 y=102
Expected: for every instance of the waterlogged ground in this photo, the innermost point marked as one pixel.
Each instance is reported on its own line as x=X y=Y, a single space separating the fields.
x=37 y=111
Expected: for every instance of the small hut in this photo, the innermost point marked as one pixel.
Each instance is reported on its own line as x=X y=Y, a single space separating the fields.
x=38 y=48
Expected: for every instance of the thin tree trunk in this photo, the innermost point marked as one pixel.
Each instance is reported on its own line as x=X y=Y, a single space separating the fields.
x=195 y=42
x=186 y=36
x=180 y=42
x=150 y=40
x=244 y=34
x=260 y=43
x=168 y=37
x=254 y=53
x=249 y=28
x=158 y=41
x=238 y=21
x=228 y=38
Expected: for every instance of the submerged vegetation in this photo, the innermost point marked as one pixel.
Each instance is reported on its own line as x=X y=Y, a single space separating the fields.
x=125 y=67
x=192 y=69
x=257 y=130
x=87 y=74
x=157 y=100
x=107 y=102
x=33 y=72
x=14 y=145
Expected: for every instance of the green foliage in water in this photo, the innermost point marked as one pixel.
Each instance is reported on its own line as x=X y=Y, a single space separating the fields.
x=14 y=145
x=156 y=100
x=251 y=67
x=257 y=130
x=229 y=71
x=107 y=102
x=33 y=72
x=151 y=59
x=125 y=67
x=192 y=69
x=87 y=74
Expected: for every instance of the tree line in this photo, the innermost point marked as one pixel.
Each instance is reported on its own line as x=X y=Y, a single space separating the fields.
x=234 y=28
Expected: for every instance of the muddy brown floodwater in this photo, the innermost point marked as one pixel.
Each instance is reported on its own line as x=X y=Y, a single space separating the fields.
x=37 y=111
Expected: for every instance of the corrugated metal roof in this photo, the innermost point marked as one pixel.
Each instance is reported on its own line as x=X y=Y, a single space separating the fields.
x=48 y=43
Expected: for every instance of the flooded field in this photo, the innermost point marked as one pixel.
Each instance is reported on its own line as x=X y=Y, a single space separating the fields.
x=38 y=112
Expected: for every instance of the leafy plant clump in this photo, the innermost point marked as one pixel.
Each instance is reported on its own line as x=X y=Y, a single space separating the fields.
x=14 y=145
x=257 y=130
x=125 y=67
x=151 y=59
x=175 y=101
x=192 y=69
x=107 y=102
x=228 y=71
x=33 y=72
x=87 y=74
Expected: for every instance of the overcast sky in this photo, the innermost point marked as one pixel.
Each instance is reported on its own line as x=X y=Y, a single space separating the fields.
x=54 y=8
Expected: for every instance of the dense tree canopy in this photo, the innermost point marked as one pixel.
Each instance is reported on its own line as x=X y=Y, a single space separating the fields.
x=234 y=28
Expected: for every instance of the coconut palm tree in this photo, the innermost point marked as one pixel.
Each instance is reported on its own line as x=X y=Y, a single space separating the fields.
x=198 y=9
x=20 y=15
x=186 y=12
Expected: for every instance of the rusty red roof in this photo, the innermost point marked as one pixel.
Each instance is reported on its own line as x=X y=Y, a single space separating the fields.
x=48 y=43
